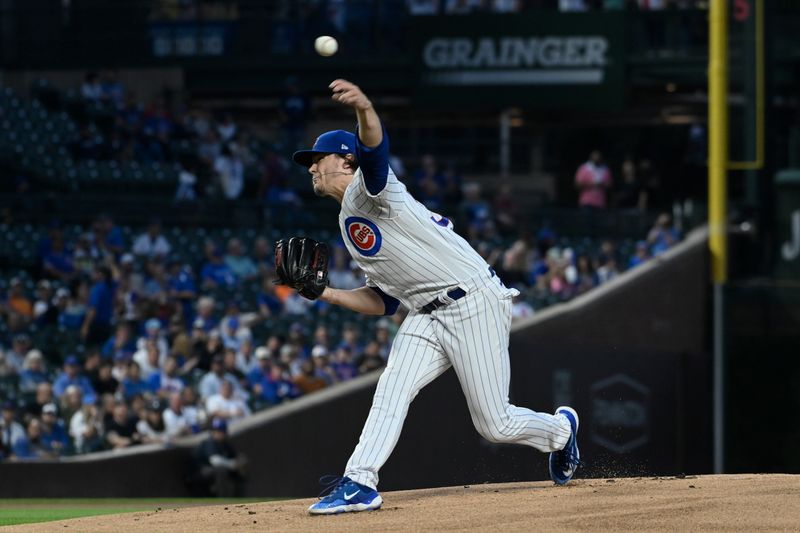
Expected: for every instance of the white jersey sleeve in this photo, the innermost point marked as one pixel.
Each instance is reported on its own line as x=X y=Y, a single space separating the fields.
x=387 y=203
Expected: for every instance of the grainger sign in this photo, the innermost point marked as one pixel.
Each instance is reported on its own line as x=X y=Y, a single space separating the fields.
x=547 y=60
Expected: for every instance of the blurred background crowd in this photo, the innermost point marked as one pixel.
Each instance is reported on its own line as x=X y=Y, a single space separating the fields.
x=119 y=334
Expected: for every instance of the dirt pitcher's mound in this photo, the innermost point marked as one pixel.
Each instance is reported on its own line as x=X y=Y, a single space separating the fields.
x=726 y=503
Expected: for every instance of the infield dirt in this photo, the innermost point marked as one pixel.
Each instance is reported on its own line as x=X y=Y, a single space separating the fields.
x=703 y=503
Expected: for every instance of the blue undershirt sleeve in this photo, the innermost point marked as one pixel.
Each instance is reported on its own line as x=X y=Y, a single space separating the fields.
x=374 y=163
x=390 y=304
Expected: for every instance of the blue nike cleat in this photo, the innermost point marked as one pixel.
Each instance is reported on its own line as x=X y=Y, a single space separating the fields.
x=347 y=496
x=563 y=463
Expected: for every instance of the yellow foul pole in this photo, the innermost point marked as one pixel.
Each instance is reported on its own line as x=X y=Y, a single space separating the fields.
x=717 y=204
x=718 y=138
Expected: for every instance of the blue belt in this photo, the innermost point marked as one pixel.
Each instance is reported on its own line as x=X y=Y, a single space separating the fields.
x=455 y=294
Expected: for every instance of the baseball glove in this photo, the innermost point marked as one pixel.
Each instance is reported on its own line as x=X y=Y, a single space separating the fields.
x=302 y=263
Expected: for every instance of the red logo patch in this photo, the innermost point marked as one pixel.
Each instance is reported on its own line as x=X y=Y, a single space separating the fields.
x=362 y=235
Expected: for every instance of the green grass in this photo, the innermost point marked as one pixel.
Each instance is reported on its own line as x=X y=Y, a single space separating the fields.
x=10 y=517
x=29 y=510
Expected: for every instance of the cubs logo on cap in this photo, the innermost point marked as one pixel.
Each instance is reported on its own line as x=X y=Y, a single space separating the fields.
x=364 y=235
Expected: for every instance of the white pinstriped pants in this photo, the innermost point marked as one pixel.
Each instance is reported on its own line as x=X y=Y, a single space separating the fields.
x=470 y=334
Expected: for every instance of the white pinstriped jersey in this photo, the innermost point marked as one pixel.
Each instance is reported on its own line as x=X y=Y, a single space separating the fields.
x=407 y=251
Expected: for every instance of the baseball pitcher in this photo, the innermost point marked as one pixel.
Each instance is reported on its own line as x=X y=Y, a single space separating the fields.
x=459 y=311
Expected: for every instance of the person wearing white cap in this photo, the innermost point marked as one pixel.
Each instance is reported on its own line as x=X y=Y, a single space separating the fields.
x=53 y=435
x=319 y=351
x=153 y=333
x=33 y=372
x=44 y=295
x=260 y=373
x=86 y=428
x=148 y=359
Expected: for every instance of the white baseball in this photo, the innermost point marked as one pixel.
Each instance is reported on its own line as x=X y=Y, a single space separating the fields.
x=325 y=45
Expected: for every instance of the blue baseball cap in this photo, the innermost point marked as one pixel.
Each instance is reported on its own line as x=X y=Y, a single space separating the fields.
x=331 y=142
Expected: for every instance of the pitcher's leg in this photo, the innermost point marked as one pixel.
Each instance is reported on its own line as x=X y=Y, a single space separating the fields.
x=474 y=333
x=415 y=360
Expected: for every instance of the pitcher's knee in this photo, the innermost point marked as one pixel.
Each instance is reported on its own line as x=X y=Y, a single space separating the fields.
x=499 y=431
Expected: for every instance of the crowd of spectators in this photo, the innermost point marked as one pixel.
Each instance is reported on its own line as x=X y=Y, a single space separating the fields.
x=164 y=344
x=637 y=187
x=156 y=357
x=535 y=262
x=214 y=156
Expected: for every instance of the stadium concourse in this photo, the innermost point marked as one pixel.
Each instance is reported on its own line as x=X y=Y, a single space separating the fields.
x=114 y=335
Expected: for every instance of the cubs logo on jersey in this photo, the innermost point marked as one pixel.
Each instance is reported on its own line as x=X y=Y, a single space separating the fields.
x=364 y=235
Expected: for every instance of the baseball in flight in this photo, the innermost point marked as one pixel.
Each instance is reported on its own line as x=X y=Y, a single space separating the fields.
x=325 y=45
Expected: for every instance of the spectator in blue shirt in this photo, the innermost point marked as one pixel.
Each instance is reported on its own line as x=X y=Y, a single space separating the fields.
x=181 y=287
x=268 y=303
x=166 y=381
x=54 y=437
x=343 y=365
x=216 y=273
x=155 y=286
x=260 y=372
x=429 y=170
x=54 y=231
x=430 y=195
x=31 y=446
x=72 y=376
x=210 y=383
x=263 y=256
x=97 y=323
x=121 y=342
x=242 y=266
x=107 y=235
x=228 y=331
x=350 y=340
x=273 y=386
x=640 y=256
x=132 y=383
x=663 y=236
x=71 y=311
x=474 y=209
x=57 y=259
x=112 y=90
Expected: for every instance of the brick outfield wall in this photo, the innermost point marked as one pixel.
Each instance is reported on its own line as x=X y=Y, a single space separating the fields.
x=632 y=357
